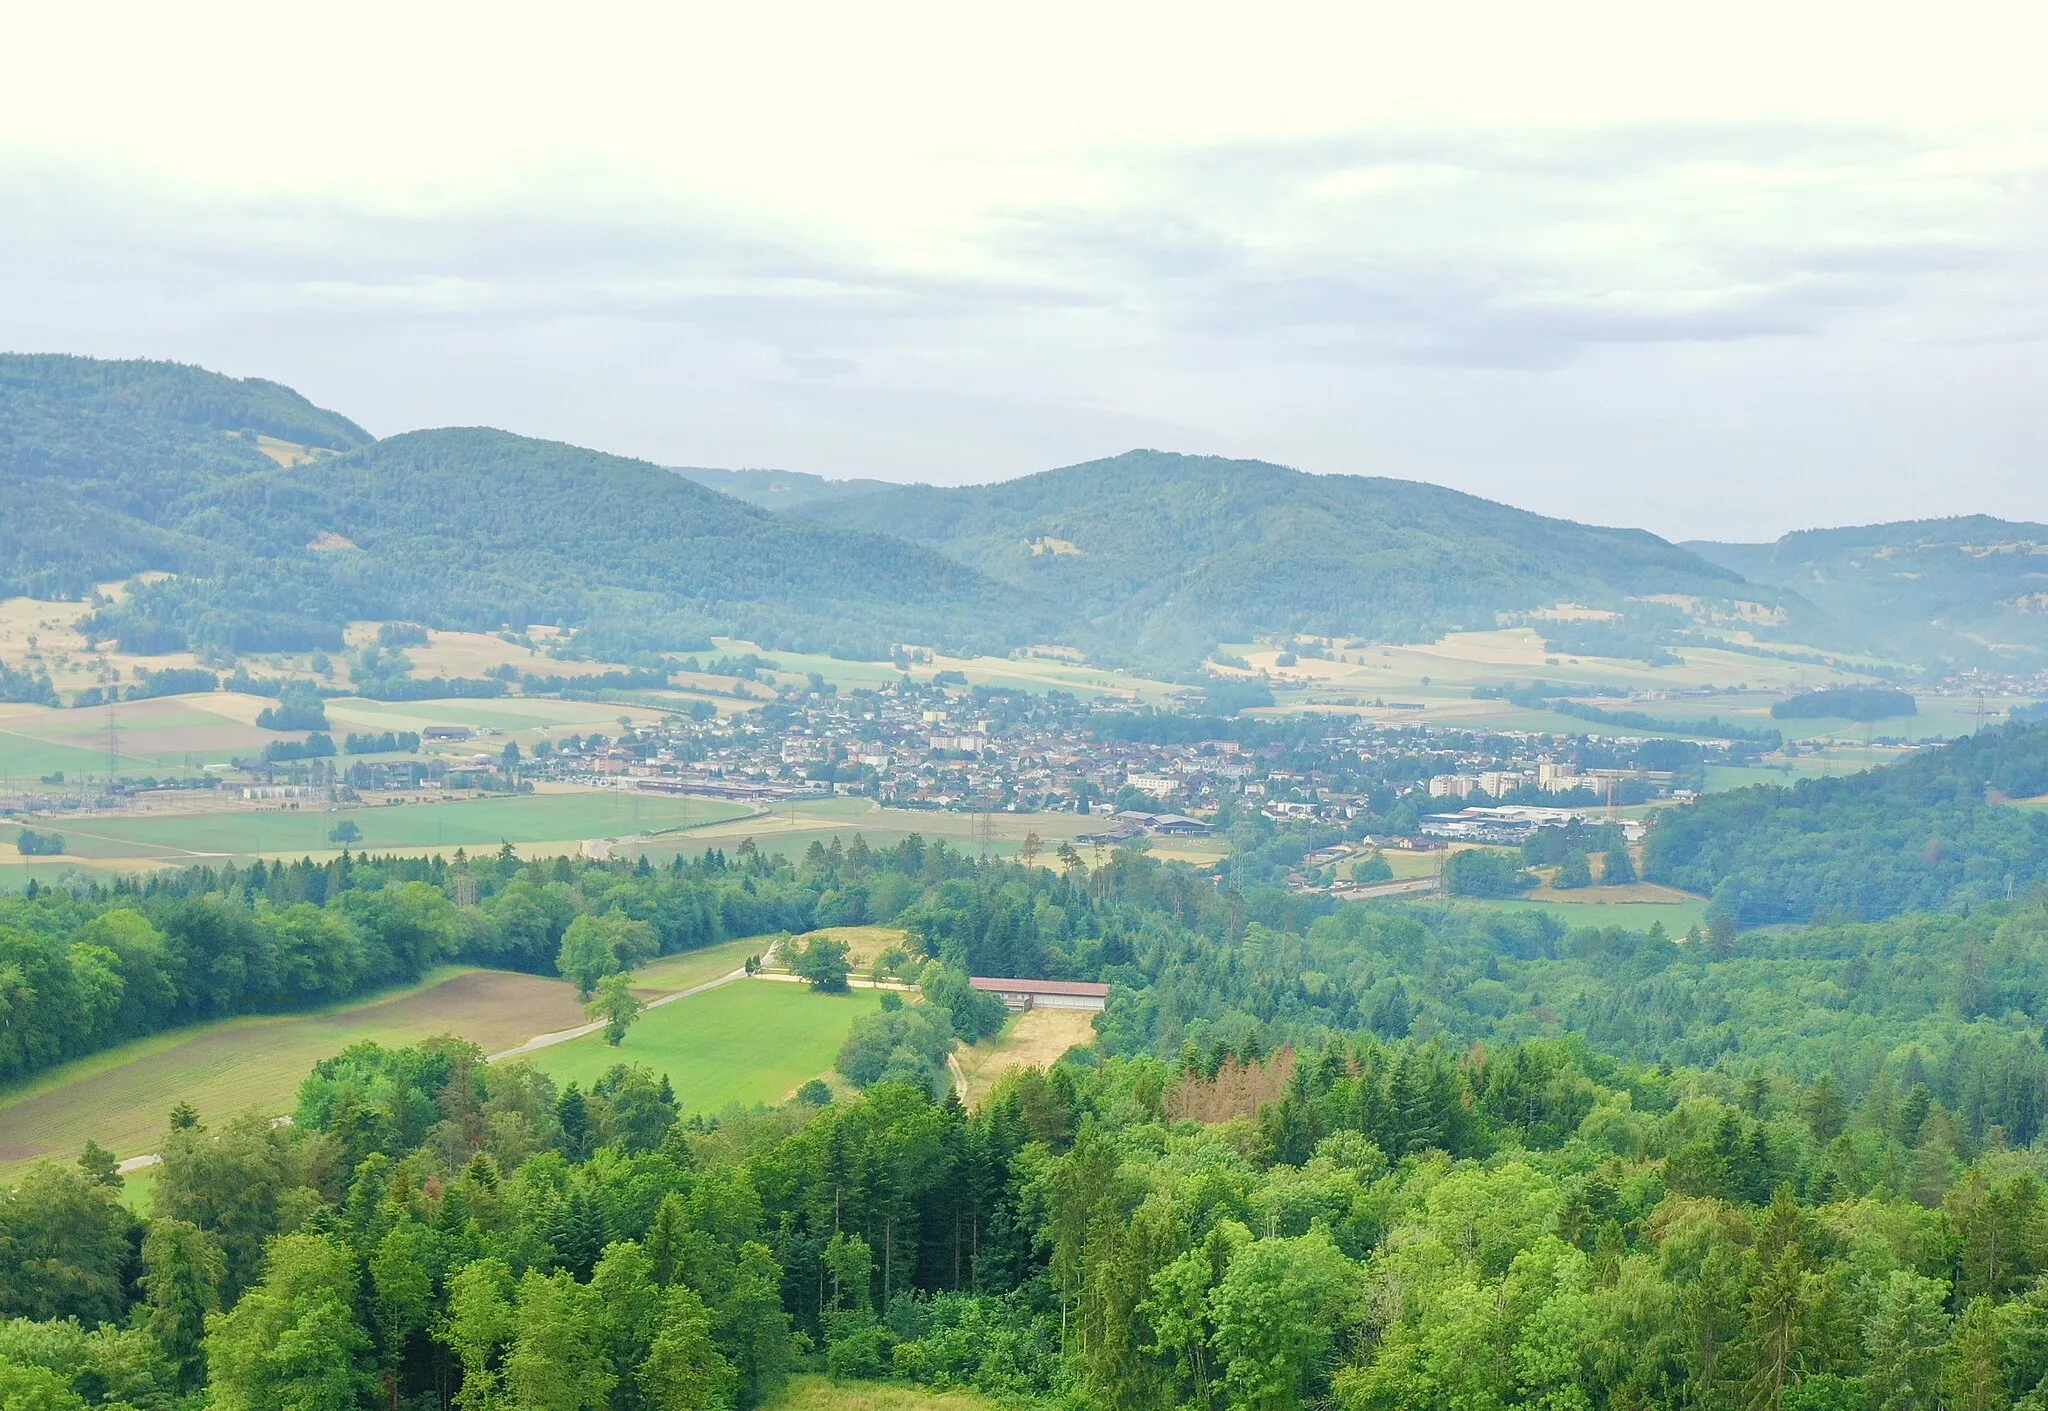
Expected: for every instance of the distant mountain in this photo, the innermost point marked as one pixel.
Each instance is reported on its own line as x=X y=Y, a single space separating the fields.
x=285 y=521
x=1965 y=589
x=1160 y=556
x=777 y=489
x=94 y=453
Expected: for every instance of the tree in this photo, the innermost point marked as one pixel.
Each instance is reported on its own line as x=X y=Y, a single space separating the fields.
x=557 y=1361
x=1279 y=1311
x=182 y=1271
x=1903 y=1337
x=1620 y=868
x=480 y=1322
x=617 y=1005
x=292 y=1342
x=596 y=946
x=684 y=1370
x=822 y=961
x=101 y=1166
x=1030 y=848
x=345 y=832
x=63 y=1246
x=401 y=1297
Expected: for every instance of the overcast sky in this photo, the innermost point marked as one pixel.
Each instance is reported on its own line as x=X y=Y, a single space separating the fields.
x=1718 y=270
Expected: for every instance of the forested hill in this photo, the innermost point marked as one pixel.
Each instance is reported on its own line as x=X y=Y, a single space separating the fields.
x=477 y=528
x=1163 y=555
x=1925 y=834
x=777 y=489
x=285 y=521
x=1932 y=589
x=95 y=454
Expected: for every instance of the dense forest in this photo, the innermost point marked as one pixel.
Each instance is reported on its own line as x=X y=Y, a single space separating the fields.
x=1361 y=1157
x=1919 y=835
x=1165 y=555
x=115 y=468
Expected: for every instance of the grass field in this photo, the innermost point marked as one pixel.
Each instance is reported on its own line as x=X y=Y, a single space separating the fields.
x=791 y=828
x=821 y=1394
x=1034 y=1039
x=120 y=1097
x=562 y=818
x=754 y=1041
x=1677 y=917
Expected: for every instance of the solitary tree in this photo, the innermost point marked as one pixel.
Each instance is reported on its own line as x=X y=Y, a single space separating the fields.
x=617 y=1005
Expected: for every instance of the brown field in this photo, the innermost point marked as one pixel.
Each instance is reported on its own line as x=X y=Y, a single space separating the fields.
x=120 y=1098
x=1034 y=1039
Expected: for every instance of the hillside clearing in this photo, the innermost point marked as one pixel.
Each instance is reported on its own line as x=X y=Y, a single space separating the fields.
x=1037 y=1038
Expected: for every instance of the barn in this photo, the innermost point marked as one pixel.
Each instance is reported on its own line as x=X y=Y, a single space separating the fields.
x=1049 y=994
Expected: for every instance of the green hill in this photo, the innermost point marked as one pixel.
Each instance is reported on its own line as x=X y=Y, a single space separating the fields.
x=284 y=521
x=1161 y=556
x=777 y=489
x=1968 y=589
x=95 y=455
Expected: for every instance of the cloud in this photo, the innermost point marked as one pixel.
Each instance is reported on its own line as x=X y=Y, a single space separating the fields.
x=1537 y=314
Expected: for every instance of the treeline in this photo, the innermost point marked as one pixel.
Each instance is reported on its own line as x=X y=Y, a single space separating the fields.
x=1863 y=703
x=1916 y=836
x=121 y=960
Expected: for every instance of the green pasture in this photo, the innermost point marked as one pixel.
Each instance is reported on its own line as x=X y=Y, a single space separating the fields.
x=1677 y=917
x=788 y=830
x=469 y=823
x=753 y=1041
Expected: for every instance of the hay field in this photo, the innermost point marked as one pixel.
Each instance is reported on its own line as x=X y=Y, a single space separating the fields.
x=62 y=649
x=1034 y=1039
x=789 y=828
x=120 y=1097
x=754 y=1041
x=541 y=823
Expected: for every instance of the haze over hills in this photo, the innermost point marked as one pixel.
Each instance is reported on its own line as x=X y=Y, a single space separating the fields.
x=1163 y=555
x=284 y=520
x=1957 y=589
x=777 y=489
x=117 y=468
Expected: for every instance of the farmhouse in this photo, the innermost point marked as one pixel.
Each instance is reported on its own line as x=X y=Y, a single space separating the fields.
x=1047 y=994
x=446 y=732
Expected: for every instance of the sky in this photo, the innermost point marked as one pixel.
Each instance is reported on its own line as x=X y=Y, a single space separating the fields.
x=1719 y=271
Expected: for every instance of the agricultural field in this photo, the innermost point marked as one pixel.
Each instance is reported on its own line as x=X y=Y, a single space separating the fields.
x=1037 y=671
x=1677 y=918
x=790 y=828
x=754 y=1041
x=538 y=824
x=815 y=1393
x=1034 y=1039
x=42 y=633
x=120 y=1097
x=1439 y=677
